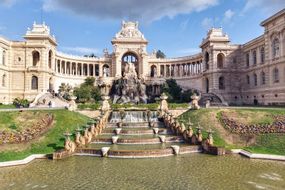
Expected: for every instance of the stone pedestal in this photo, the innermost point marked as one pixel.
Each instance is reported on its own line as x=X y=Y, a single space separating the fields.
x=163 y=103
x=105 y=104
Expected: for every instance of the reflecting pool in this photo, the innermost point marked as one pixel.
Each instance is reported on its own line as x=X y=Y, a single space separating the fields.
x=192 y=171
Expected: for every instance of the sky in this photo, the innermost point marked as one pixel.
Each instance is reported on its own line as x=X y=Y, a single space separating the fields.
x=175 y=27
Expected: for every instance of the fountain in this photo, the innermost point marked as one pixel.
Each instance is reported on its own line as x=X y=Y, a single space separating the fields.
x=130 y=88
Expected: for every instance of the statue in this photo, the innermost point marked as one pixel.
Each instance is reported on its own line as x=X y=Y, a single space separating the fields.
x=105 y=103
x=194 y=103
x=163 y=103
x=130 y=88
x=79 y=139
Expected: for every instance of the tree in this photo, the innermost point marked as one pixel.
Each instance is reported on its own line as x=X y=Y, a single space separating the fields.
x=87 y=91
x=89 y=81
x=173 y=90
x=160 y=54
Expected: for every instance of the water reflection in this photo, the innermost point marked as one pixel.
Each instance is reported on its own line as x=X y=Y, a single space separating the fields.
x=195 y=171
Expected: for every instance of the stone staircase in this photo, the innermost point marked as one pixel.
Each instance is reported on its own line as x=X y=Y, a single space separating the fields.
x=43 y=101
x=214 y=100
x=137 y=139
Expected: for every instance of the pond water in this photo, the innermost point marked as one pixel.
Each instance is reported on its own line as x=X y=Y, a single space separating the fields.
x=192 y=171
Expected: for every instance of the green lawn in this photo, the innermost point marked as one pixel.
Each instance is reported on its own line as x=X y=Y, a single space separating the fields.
x=4 y=106
x=52 y=140
x=265 y=143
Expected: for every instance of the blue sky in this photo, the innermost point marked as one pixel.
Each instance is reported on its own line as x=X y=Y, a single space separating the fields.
x=174 y=26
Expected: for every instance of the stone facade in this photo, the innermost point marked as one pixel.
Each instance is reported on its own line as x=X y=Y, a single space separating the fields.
x=251 y=73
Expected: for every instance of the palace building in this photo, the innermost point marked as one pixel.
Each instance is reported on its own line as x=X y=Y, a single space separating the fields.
x=250 y=73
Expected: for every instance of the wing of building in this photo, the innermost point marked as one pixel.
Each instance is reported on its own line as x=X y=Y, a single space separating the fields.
x=251 y=73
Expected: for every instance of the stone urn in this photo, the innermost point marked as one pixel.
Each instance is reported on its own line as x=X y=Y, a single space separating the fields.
x=104 y=151
x=176 y=149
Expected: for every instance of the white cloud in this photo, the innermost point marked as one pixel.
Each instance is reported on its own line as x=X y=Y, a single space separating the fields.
x=228 y=15
x=268 y=6
x=146 y=10
x=184 y=24
x=80 y=50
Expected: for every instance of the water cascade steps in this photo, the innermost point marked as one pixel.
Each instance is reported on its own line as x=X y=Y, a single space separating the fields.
x=136 y=136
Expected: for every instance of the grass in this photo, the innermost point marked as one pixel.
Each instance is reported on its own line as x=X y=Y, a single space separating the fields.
x=269 y=144
x=202 y=117
x=265 y=143
x=52 y=140
x=7 y=106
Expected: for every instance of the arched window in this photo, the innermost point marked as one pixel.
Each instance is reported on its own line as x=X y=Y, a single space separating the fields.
x=255 y=79
x=58 y=66
x=207 y=58
x=4 y=58
x=247 y=79
x=262 y=76
x=36 y=58
x=247 y=60
x=275 y=48
x=220 y=60
x=221 y=83
x=262 y=55
x=49 y=59
x=254 y=57
x=34 y=83
x=4 y=80
x=106 y=71
x=153 y=71
x=275 y=75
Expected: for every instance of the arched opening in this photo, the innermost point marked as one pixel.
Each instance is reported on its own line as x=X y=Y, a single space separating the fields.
x=73 y=68
x=58 y=66
x=255 y=79
x=49 y=59
x=91 y=73
x=254 y=57
x=262 y=55
x=4 y=58
x=68 y=68
x=207 y=85
x=129 y=58
x=247 y=79
x=36 y=58
x=85 y=70
x=255 y=102
x=220 y=60
x=222 y=83
x=247 y=60
x=63 y=67
x=34 y=83
x=153 y=71
x=51 y=86
x=262 y=77
x=4 y=80
x=106 y=71
x=207 y=58
x=275 y=75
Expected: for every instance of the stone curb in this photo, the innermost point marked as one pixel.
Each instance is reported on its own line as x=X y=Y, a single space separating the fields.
x=24 y=161
x=258 y=156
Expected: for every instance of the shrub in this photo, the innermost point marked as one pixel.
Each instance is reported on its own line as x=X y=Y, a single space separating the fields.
x=18 y=102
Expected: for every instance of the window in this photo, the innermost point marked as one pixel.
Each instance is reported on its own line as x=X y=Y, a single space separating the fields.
x=220 y=60
x=275 y=75
x=255 y=79
x=254 y=57
x=248 y=79
x=34 y=83
x=36 y=58
x=4 y=80
x=262 y=55
x=263 y=79
x=49 y=59
x=207 y=60
x=221 y=83
x=4 y=58
x=275 y=48
x=161 y=70
x=247 y=60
